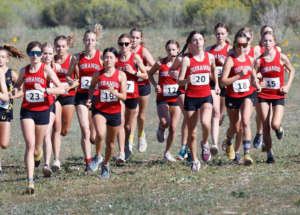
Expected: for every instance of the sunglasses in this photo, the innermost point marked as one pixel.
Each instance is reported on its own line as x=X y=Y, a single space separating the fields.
x=122 y=44
x=239 y=45
x=37 y=53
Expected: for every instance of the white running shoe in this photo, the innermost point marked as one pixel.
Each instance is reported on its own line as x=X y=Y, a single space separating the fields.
x=47 y=171
x=142 y=144
x=195 y=166
x=121 y=158
x=56 y=164
x=169 y=157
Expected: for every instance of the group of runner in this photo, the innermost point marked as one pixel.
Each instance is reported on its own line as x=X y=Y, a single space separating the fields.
x=110 y=91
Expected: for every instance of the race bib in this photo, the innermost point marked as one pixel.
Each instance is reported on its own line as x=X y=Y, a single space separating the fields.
x=34 y=96
x=200 y=79
x=240 y=86
x=170 y=90
x=107 y=96
x=63 y=84
x=272 y=83
x=4 y=105
x=130 y=86
x=219 y=69
x=140 y=79
x=86 y=82
x=51 y=85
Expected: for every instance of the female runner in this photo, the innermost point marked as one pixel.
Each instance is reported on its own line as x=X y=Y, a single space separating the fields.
x=87 y=63
x=112 y=84
x=35 y=110
x=271 y=65
x=239 y=95
x=128 y=62
x=220 y=52
x=64 y=105
x=7 y=78
x=195 y=72
x=47 y=59
x=166 y=101
x=138 y=47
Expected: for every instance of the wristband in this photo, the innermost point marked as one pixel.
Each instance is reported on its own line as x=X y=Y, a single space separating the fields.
x=46 y=90
x=256 y=80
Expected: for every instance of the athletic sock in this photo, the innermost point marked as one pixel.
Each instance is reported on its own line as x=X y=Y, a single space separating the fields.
x=184 y=147
x=229 y=140
x=131 y=138
x=270 y=154
x=205 y=145
x=88 y=161
x=30 y=180
x=141 y=134
x=246 y=144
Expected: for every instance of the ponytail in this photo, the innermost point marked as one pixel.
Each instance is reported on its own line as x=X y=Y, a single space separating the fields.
x=189 y=41
x=71 y=39
x=98 y=31
x=12 y=51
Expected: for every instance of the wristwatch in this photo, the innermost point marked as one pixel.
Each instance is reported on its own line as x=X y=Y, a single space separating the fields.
x=46 y=89
x=135 y=73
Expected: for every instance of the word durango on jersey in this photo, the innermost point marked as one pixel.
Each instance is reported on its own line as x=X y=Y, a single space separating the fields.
x=105 y=83
x=239 y=69
x=199 y=68
x=34 y=79
x=89 y=65
x=270 y=68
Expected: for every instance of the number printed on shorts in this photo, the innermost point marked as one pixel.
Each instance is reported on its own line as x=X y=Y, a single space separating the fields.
x=130 y=86
x=219 y=69
x=34 y=96
x=240 y=86
x=170 y=90
x=272 y=83
x=200 y=79
x=4 y=105
x=107 y=96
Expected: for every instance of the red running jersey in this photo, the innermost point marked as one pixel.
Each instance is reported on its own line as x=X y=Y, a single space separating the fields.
x=86 y=71
x=273 y=76
x=183 y=88
x=51 y=85
x=167 y=84
x=218 y=55
x=262 y=49
x=241 y=87
x=61 y=74
x=141 y=81
x=107 y=102
x=35 y=100
x=199 y=87
x=132 y=86
x=251 y=52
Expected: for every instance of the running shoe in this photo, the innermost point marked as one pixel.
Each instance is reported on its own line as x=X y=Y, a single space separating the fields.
x=56 y=164
x=224 y=146
x=222 y=120
x=263 y=147
x=214 y=149
x=142 y=144
x=47 y=172
x=30 y=188
x=87 y=169
x=195 y=166
x=280 y=133
x=128 y=149
x=104 y=171
x=121 y=158
x=248 y=160
x=257 y=141
x=189 y=157
x=182 y=154
x=229 y=150
x=205 y=154
x=168 y=157
x=95 y=163
x=270 y=160
x=92 y=141
x=160 y=134
x=238 y=160
x=37 y=159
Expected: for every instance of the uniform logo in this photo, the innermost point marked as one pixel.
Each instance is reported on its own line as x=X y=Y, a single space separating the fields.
x=230 y=104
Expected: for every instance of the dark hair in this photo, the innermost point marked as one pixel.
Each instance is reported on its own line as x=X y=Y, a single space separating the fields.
x=269 y=33
x=124 y=36
x=33 y=44
x=140 y=31
x=112 y=50
x=189 y=41
x=71 y=39
x=172 y=42
x=247 y=30
x=264 y=27
x=222 y=25
x=239 y=34
x=12 y=51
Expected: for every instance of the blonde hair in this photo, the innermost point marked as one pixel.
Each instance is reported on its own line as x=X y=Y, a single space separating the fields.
x=269 y=33
x=98 y=31
x=46 y=44
x=71 y=39
x=141 y=32
x=247 y=30
x=12 y=51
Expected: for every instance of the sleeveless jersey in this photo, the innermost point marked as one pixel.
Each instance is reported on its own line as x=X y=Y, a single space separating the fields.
x=241 y=87
x=132 y=86
x=51 y=85
x=86 y=71
x=141 y=81
x=61 y=74
x=35 y=100
x=273 y=76
x=167 y=84
x=183 y=88
x=199 y=87
x=107 y=102
x=218 y=55
x=251 y=52
x=262 y=49
x=8 y=106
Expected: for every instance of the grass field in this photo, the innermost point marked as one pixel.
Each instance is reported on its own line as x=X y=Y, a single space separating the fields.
x=146 y=185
